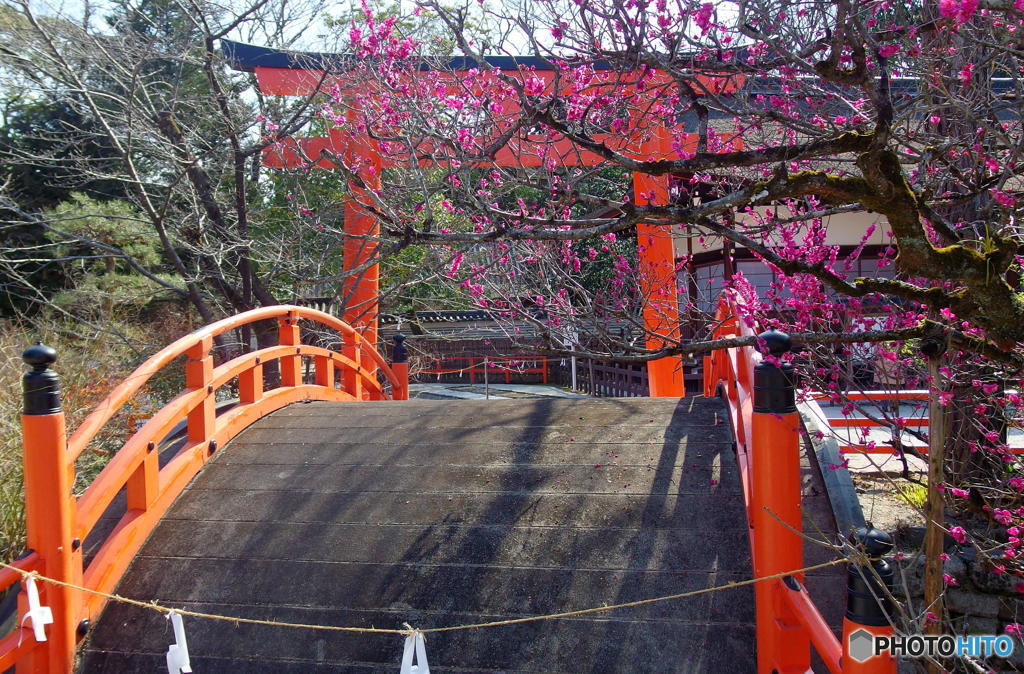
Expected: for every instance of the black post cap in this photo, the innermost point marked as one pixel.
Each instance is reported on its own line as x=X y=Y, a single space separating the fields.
x=776 y=342
x=399 y=354
x=41 y=386
x=874 y=542
x=868 y=586
x=775 y=386
x=932 y=347
x=39 y=356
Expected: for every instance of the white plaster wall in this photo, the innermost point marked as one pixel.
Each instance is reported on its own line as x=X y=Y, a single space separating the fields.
x=844 y=229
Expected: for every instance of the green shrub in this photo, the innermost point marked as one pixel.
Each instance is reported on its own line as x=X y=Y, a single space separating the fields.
x=913 y=494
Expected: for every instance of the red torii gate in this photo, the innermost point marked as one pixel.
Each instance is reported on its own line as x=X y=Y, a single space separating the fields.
x=302 y=74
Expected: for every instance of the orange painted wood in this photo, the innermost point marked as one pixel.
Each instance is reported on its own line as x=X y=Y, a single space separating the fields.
x=250 y=384
x=291 y=364
x=104 y=489
x=516 y=153
x=48 y=528
x=350 y=374
x=711 y=375
x=142 y=488
x=400 y=391
x=657 y=260
x=304 y=82
x=361 y=287
x=8 y=577
x=822 y=638
x=855 y=422
x=16 y=649
x=199 y=377
x=324 y=371
x=884 y=448
x=123 y=392
x=879 y=448
x=289 y=82
x=768 y=455
x=874 y=395
x=783 y=643
x=357 y=356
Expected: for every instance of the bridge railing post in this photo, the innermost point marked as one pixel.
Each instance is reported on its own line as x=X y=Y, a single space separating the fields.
x=358 y=389
x=198 y=376
x=868 y=607
x=783 y=643
x=49 y=475
x=349 y=378
x=291 y=366
x=710 y=376
x=400 y=366
x=250 y=384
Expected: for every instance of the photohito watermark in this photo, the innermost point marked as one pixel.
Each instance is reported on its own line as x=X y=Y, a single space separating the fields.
x=864 y=645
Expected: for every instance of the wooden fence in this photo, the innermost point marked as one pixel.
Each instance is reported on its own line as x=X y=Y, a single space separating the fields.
x=465 y=361
x=602 y=379
x=594 y=377
x=614 y=380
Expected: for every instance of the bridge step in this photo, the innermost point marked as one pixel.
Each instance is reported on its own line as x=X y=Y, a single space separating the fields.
x=441 y=513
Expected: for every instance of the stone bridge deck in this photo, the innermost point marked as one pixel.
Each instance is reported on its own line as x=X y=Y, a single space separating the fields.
x=441 y=513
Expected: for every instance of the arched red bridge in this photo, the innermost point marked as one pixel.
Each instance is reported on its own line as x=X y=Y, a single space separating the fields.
x=322 y=496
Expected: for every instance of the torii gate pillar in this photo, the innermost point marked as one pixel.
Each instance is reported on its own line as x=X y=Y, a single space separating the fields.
x=361 y=288
x=658 y=281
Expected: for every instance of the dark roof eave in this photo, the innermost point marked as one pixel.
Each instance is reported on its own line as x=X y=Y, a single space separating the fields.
x=247 y=57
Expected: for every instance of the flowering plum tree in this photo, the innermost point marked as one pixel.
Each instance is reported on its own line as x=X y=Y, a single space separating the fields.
x=852 y=170
x=769 y=121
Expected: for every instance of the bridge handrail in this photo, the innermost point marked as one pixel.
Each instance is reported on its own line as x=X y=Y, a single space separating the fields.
x=122 y=393
x=57 y=523
x=767 y=449
x=851 y=429
x=733 y=368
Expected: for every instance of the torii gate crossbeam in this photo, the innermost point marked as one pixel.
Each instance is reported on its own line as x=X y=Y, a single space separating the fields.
x=289 y=73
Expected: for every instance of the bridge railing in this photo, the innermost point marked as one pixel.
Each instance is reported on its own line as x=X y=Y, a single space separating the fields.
x=852 y=430
x=760 y=394
x=57 y=522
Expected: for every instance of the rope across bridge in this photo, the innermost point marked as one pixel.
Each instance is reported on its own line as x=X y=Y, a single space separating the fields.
x=153 y=606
